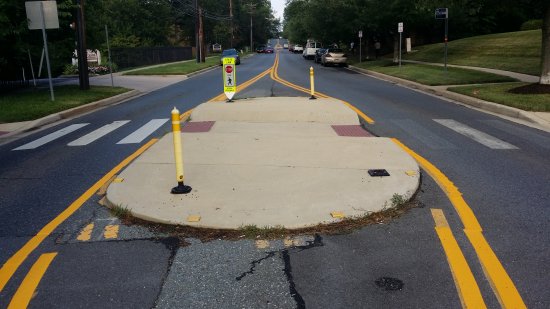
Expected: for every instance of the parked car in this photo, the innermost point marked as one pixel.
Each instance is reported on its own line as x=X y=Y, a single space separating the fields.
x=298 y=48
x=318 y=54
x=216 y=48
x=311 y=48
x=260 y=49
x=268 y=50
x=285 y=46
x=230 y=53
x=334 y=56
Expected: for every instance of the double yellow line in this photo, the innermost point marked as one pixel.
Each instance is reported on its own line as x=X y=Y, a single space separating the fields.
x=275 y=76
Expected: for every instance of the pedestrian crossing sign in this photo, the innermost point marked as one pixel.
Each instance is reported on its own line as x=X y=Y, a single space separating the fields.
x=229 y=80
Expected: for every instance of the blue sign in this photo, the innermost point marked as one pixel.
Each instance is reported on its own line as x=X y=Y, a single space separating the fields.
x=442 y=13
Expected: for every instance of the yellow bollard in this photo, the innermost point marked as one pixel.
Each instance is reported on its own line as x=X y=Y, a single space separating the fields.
x=312 y=83
x=176 y=131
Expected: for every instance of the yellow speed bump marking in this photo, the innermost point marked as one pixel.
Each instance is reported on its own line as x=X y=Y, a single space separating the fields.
x=193 y=218
x=503 y=286
x=86 y=233
x=337 y=214
x=25 y=292
x=9 y=268
x=466 y=285
x=111 y=231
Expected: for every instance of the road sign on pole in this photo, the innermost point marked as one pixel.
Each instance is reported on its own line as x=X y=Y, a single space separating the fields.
x=400 y=30
x=229 y=80
x=360 y=43
x=443 y=13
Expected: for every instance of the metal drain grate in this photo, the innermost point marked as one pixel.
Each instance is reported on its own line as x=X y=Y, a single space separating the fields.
x=197 y=127
x=351 y=130
x=379 y=173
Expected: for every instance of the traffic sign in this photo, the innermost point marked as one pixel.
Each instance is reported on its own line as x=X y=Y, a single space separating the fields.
x=360 y=33
x=400 y=27
x=229 y=80
x=441 y=13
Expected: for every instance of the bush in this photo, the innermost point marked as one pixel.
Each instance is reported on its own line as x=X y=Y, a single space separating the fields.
x=533 y=24
x=70 y=69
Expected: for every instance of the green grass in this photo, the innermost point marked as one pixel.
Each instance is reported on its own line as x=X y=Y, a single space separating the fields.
x=180 y=68
x=499 y=94
x=433 y=75
x=35 y=103
x=513 y=51
x=267 y=232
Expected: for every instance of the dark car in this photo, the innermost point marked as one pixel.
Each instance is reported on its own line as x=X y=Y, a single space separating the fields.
x=318 y=54
x=268 y=50
x=230 y=53
x=260 y=49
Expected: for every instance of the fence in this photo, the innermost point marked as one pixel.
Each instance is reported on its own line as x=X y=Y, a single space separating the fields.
x=135 y=57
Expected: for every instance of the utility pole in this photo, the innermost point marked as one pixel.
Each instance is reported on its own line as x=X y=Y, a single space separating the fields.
x=231 y=20
x=197 y=46
x=83 y=78
x=251 y=8
x=202 y=48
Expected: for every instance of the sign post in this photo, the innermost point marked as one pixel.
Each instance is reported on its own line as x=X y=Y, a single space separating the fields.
x=360 y=38
x=43 y=15
x=443 y=13
x=400 y=30
x=229 y=80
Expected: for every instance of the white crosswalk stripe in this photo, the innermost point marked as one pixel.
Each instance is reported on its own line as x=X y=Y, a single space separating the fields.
x=478 y=136
x=92 y=136
x=141 y=133
x=51 y=137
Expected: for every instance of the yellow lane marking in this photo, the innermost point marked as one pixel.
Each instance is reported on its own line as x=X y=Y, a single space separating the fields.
x=111 y=231
x=287 y=242
x=275 y=76
x=464 y=211
x=86 y=233
x=9 y=268
x=262 y=244
x=221 y=97
x=502 y=284
x=25 y=292
x=466 y=285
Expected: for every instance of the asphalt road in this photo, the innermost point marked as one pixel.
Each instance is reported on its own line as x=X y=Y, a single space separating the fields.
x=503 y=174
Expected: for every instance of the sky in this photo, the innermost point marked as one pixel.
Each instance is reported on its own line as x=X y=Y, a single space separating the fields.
x=279 y=7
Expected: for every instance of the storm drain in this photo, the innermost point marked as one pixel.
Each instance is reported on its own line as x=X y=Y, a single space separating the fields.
x=378 y=173
x=197 y=127
x=351 y=130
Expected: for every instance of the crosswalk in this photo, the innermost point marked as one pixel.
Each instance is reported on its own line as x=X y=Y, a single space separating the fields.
x=135 y=137
x=434 y=138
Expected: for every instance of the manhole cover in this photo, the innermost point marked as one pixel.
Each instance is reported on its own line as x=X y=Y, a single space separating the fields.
x=389 y=284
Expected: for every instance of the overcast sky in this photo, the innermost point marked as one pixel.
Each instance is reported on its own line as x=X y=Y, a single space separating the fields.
x=279 y=7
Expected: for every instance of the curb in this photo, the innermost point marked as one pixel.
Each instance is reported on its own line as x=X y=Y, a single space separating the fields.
x=464 y=99
x=73 y=112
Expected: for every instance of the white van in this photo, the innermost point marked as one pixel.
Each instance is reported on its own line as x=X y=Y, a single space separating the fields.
x=311 y=47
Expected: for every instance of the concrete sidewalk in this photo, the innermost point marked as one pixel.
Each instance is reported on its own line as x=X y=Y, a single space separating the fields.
x=267 y=162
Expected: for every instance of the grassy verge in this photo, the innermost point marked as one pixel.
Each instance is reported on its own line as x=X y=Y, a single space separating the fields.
x=500 y=94
x=181 y=68
x=432 y=75
x=35 y=103
x=513 y=51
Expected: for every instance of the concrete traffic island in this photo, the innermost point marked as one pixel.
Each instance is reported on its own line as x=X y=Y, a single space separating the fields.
x=267 y=162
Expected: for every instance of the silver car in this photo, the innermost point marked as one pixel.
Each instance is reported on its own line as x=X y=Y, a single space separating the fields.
x=334 y=56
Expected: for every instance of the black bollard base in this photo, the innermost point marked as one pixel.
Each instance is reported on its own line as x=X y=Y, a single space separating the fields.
x=312 y=98
x=181 y=189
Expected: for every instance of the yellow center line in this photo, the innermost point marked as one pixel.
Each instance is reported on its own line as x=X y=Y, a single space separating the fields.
x=9 y=268
x=466 y=285
x=502 y=285
x=275 y=76
x=25 y=292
